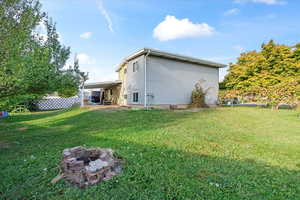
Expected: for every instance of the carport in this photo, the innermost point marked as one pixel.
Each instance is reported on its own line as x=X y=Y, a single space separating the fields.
x=110 y=91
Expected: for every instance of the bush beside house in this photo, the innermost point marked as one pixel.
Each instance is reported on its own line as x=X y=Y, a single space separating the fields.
x=198 y=95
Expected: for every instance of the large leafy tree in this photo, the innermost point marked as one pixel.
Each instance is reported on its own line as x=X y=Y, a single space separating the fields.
x=272 y=74
x=32 y=64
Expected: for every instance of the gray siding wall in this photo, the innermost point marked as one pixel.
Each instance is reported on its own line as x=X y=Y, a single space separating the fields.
x=171 y=82
x=135 y=81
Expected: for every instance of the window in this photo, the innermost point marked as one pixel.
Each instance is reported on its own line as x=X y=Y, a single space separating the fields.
x=125 y=96
x=135 y=97
x=111 y=91
x=135 y=67
x=125 y=70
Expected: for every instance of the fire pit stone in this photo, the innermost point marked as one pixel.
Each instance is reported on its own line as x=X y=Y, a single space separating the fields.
x=85 y=167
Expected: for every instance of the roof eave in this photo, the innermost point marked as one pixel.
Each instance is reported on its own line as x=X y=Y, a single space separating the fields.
x=187 y=59
x=104 y=84
x=158 y=53
x=126 y=60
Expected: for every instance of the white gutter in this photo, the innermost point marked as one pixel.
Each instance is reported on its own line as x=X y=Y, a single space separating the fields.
x=145 y=70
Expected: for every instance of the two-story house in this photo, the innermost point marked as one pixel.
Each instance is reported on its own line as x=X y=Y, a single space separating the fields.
x=155 y=78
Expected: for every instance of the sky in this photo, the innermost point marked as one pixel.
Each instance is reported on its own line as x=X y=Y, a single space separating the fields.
x=101 y=33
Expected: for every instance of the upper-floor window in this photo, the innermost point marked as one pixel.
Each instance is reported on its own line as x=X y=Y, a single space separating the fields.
x=135 y=67
x=125 y=70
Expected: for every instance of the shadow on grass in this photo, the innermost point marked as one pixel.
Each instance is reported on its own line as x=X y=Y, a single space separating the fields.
x=151 y=171
x=23 y=117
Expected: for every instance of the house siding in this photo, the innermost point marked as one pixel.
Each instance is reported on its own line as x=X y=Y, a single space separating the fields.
x=134 y=82
x=123 y=78
x=115 y=96
x=171 y=81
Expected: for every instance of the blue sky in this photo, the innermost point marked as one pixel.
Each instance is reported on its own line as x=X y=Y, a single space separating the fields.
x=103 y=32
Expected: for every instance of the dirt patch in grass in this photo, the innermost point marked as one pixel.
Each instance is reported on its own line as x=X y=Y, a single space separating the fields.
x=22 y=128
x=4 y=145
x=213 y=144
x=110 y=108
x=204 y=173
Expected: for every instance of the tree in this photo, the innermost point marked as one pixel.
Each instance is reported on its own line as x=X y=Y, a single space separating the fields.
x=272 y=75
x=72 y=76
x=32 y=64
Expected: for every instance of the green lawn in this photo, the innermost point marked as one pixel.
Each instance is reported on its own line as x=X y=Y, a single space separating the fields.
x=223 y=153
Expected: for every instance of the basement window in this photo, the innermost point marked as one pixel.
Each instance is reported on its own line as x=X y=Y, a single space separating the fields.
x=135 y=97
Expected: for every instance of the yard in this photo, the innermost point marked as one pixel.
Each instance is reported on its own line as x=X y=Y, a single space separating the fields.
x=223 y=153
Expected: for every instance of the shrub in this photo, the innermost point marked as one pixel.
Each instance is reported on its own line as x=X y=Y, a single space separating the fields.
x=21 y=103
x=198 y=95
x=232 y=96
x=286 y=92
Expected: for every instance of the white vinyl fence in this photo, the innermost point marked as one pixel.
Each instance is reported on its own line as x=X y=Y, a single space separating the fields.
x=58 y=103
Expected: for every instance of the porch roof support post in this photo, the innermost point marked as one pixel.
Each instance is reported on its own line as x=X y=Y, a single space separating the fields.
x=82 y=97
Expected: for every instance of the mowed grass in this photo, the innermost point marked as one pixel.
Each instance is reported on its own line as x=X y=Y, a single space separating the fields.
x=223 y=153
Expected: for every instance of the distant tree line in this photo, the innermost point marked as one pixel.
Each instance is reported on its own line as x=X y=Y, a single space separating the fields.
x=32 y=64
x=271 y=75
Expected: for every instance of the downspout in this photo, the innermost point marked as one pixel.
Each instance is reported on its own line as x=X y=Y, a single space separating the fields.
x=145 y=78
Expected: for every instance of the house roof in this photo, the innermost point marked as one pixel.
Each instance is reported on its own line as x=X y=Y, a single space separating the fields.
x=163 y=54
x=104 y=85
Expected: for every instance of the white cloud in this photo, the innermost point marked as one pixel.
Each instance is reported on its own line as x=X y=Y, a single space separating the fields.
x=233 y=11
x=268 y=2
x=41 y=32
x=172 y=28
x=239 y=48
x=59 y=37
x=105 y=14
x=41 y=27
x=85 y=59
x=86 y=35
x=68 y=63
x=43 y=37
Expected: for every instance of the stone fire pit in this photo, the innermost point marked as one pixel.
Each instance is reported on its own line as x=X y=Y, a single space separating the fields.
x=85 y=167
